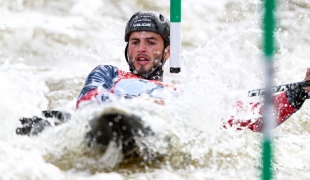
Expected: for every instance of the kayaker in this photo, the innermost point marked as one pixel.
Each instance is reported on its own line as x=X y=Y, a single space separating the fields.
x=147 y=35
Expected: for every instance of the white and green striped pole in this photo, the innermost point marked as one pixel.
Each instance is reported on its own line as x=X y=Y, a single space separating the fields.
x=175 y=36
x=269 y=123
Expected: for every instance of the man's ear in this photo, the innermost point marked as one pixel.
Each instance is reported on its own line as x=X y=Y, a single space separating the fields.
x=167 y=52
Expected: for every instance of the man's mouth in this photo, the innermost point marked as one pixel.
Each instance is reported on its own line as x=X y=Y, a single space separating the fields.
x=142 y=60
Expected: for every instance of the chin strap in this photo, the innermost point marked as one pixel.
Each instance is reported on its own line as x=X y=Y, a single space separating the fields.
x=156 y=74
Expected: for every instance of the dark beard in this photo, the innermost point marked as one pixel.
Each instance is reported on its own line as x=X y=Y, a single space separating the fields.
x=142 y=71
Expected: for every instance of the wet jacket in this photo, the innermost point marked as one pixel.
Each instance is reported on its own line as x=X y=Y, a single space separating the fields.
x=105 y=80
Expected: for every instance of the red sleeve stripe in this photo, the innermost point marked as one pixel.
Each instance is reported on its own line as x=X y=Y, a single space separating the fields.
x=88 y=96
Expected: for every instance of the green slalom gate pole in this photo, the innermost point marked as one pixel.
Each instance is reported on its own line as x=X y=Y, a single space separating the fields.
x=269 y=26
x=175 y=36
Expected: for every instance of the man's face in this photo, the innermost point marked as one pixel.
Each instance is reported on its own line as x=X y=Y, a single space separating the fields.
x=145 y=51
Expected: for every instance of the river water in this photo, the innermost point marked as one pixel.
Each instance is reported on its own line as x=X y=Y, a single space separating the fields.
x=48 y=47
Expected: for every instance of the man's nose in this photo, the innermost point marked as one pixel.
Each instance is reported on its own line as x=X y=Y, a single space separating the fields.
x=142 y=47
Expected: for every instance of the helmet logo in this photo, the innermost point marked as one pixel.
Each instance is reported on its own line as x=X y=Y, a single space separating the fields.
x=142 y=24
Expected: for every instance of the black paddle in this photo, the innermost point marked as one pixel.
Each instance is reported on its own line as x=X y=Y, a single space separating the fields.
x=35 y=125
x=280 y=88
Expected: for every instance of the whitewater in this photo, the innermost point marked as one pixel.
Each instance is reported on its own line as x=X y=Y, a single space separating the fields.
x=48 y=47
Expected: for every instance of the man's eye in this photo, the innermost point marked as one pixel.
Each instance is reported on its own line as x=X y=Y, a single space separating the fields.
x=134 y=42
x=151 y=43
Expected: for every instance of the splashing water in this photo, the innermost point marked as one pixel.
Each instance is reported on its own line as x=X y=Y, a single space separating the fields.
x=47 y=49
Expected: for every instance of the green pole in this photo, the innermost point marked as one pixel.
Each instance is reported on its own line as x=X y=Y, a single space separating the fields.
x=175 y=35
x=268 y=124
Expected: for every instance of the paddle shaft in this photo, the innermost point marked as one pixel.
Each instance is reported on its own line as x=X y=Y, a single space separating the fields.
x=280 y=88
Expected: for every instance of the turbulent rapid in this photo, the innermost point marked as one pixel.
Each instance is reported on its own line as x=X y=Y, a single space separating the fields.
x=48 y=48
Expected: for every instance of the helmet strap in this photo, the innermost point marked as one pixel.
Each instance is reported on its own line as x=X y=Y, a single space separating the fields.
x=131 y=69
